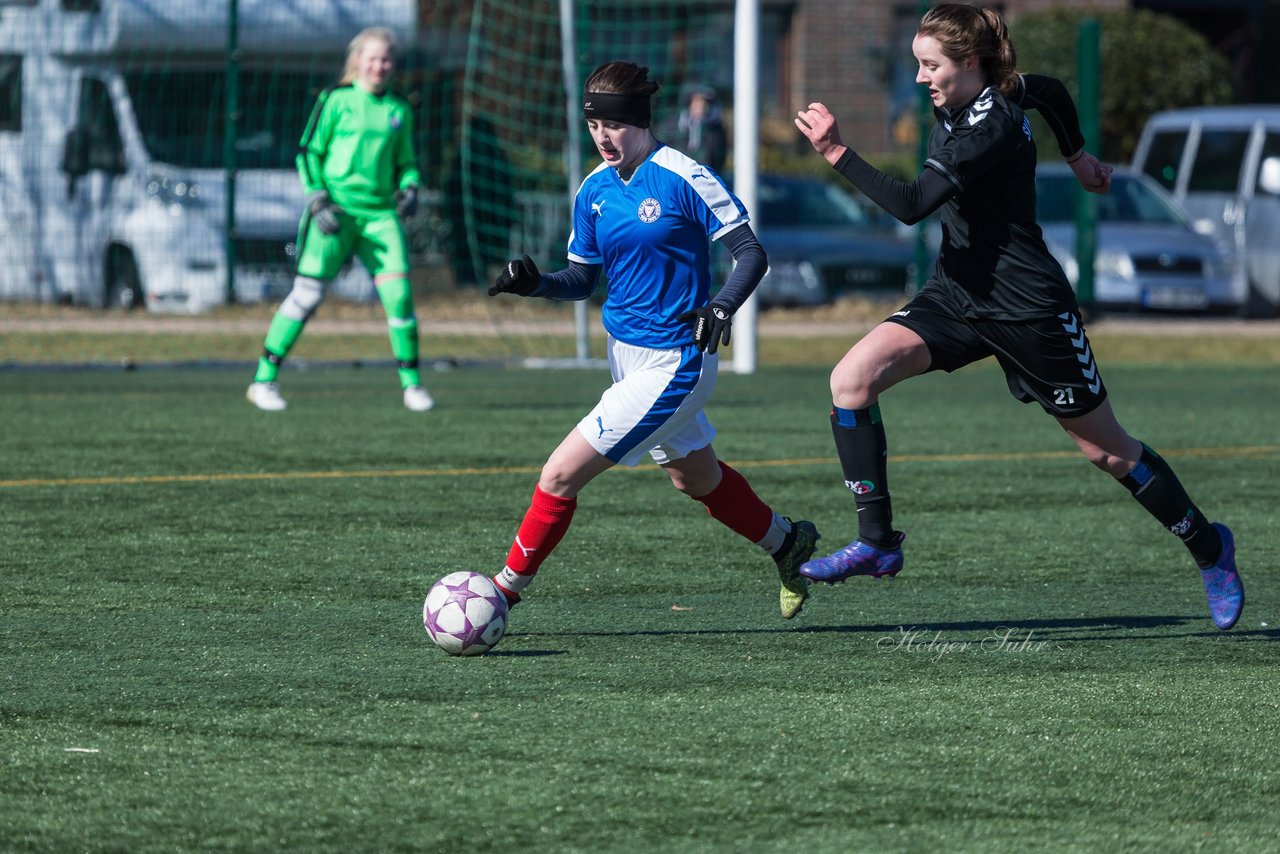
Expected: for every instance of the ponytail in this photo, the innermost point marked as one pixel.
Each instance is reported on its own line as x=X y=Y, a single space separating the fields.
x=1003 y=67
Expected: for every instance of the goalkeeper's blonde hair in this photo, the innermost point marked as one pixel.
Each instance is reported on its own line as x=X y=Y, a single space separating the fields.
x=382 y=34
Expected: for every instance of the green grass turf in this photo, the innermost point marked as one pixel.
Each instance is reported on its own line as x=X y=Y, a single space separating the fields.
x=224 y=607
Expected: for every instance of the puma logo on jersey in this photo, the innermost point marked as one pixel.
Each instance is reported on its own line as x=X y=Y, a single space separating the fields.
x=597 y=208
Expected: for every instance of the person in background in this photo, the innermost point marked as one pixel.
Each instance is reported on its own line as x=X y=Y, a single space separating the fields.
x=996 y=291
x=646 y=216
x=357 y=166
x=699 y=129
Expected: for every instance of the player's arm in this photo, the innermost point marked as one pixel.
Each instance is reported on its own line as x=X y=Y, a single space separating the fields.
x=908 y=202
x=311 y=154
x=1048 y=96
x=406 y=160
x=522 y=278
x=407 y=169
x=750 y=265
x=712 y=323
x=314 y=146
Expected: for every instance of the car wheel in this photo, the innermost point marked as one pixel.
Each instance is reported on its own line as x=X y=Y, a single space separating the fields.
x=123 y=286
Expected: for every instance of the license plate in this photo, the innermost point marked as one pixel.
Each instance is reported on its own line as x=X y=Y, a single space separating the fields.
x=1183 y=298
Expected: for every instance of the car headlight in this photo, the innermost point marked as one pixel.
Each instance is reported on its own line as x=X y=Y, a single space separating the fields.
x=1115 y=265
x=173 y=194
x=1221 y=263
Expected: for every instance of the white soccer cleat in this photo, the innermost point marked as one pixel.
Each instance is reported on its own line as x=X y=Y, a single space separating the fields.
x=417 y=399
x=266 y=396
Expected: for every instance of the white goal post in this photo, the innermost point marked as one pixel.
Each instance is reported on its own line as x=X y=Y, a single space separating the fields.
x=746 y=146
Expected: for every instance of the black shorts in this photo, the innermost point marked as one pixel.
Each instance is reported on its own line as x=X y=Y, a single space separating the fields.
x=1047 y=360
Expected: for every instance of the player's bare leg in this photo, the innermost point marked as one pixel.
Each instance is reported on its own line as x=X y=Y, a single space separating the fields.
x=570 y=467
x=730 y=500
x=1152 y=482
x=889 y=354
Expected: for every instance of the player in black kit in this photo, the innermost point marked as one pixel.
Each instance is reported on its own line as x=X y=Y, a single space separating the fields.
x=996 y=291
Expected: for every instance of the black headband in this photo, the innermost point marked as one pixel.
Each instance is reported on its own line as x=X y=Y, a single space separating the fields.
x=628 y=109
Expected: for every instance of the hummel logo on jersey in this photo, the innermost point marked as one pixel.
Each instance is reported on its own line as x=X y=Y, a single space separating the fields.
x=1071 y=325
x=597 y=208
x=979 y=110
x=1026 y=126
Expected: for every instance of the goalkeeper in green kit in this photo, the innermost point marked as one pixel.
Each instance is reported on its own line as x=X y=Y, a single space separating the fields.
x=357 y=165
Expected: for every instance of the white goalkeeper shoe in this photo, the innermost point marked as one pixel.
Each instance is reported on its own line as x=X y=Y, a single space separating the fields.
x=266 y=396
x=417 y=399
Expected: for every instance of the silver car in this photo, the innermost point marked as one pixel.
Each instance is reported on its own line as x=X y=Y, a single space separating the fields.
x=1222 y=164
x=1148 y=255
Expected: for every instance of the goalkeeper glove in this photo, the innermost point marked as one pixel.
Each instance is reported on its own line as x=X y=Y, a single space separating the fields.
x=324 y=212
x=407 y=201
x=712 y=325
x=519 y=277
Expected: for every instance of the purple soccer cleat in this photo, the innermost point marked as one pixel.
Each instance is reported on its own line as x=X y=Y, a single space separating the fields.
x=857 y=558
x=1222 y=583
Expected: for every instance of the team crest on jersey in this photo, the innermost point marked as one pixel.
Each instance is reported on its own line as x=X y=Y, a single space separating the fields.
x=395 y=122
x=649 y=210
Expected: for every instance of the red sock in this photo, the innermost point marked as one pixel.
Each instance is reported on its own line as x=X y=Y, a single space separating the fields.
x=544 y=525
x=735 y=504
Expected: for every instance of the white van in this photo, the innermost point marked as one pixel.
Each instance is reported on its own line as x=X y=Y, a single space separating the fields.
x=1223 y=165
x=113 y=184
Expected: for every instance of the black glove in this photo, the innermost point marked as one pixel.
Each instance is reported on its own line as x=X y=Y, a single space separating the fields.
x=712 y=325
x=324 y=212
x=519 y=277
x=407 y=201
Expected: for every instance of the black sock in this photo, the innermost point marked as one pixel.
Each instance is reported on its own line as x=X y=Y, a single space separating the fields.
x=864 y=458
x=1158 y=490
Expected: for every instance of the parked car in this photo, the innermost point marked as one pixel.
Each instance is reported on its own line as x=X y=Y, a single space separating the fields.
x=1222 y=164
x=824 y=243
x=1148 y=254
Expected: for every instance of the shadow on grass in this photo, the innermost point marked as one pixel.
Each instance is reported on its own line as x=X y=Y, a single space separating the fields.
x=1050 y=628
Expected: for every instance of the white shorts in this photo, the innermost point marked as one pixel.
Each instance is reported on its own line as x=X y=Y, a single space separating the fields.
x=654 y=405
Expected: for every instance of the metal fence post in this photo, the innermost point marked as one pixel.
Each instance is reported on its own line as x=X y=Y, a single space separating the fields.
x=1088 y=58
x=229 y=143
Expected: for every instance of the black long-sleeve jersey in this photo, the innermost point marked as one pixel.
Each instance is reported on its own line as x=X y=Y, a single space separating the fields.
x=980 y=176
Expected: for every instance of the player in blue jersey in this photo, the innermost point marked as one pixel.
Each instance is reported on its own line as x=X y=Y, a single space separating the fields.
x=996 y=292
x=646 y=217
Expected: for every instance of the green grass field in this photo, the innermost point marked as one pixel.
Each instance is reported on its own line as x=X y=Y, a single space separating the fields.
x=212 y=637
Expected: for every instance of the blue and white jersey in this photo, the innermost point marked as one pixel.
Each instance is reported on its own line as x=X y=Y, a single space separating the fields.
x=652 y=235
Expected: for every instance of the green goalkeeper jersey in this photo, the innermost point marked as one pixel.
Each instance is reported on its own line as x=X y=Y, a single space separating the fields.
x=358 y=146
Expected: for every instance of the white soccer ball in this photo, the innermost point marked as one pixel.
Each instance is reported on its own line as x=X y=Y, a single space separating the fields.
x=465 y=613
